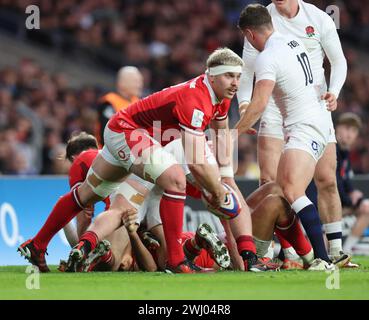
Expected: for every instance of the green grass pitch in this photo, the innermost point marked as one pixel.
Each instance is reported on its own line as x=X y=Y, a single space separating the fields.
x=353 y=284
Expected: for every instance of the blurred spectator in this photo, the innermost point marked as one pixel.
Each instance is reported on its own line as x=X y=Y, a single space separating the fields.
x=168 y=40
x=247 y=166
x=348 y=126
x=129 y=89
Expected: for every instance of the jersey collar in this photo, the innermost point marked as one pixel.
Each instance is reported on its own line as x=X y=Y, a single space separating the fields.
x=275 y=34
x=214 y=99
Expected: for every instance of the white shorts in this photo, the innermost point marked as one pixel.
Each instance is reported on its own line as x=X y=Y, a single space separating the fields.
x=122 y=149
x=149 y=212
x=176 y=149
x=310 y=137
x=271 y=123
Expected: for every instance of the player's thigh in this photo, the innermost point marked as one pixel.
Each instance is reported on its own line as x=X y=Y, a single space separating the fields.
x=160 y=167
x=108 y=171
x=102 y=180
x=325 y=170
x=269 y=151
x=119 y=240
x=295 y=171
x=260 y=193
x=264 y=217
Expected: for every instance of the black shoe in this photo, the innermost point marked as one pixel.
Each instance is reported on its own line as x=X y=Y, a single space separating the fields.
x=77 y=256
x=187 y=266
x=33 y=255
x=252 y=263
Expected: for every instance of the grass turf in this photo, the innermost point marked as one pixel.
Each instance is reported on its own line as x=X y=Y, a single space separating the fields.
x=353 y=284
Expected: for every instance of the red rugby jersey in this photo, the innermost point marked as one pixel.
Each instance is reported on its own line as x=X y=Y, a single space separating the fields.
x=189 y=106
x=80 y=166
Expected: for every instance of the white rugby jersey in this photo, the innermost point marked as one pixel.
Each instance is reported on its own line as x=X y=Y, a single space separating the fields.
x=317 y=31
x=285 y=61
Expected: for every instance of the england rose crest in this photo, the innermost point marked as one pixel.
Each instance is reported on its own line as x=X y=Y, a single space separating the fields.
x=310 y=31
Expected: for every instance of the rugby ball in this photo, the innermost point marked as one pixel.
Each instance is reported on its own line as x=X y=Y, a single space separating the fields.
x=231 y=206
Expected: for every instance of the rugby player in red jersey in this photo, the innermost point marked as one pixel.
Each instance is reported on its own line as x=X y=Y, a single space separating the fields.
x=133 y=144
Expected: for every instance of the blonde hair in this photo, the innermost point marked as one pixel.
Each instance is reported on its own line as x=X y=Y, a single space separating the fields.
x=224 y=56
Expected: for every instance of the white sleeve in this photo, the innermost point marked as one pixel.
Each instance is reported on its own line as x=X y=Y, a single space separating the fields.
x=332 y=47
x=249 y=55
x=266 y=67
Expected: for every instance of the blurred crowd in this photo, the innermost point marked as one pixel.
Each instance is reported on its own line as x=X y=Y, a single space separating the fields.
x=168 y=41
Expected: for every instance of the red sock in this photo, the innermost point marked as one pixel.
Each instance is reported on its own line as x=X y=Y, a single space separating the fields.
x=284 y=243
x=91 y=238
x=106 y=262
x=245 y=243
x=171 y=213
x=67 y=207
x=107 y=257
x=292 y=232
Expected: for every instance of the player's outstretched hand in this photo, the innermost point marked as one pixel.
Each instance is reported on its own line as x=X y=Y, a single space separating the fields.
x=130 y=220
x=331 y=101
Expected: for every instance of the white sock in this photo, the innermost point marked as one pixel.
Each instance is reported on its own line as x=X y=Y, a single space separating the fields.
x=335 y=245
x=349 y=243
x=270 y=253
x=309 y=257
x=290 y=253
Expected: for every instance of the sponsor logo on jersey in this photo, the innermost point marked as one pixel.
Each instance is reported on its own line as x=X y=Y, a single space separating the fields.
x=197 y=118
x=310 y=31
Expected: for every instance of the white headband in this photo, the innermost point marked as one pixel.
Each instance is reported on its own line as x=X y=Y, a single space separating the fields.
x=214 y=71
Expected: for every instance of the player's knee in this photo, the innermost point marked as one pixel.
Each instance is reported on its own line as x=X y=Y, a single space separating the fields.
x=85 y=195
x=173 y=179
x=273 y=204
x=273 y=188
x=326 y=183
x=291 y=193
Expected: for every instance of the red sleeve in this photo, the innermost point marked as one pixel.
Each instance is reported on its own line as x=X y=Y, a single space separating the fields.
x=204 y=260
x=76 y=174
x=223 y=110
x=189 y=111
x=80 y=166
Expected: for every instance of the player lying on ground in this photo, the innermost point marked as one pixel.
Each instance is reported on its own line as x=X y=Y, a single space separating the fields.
x=81 y=150
x=270 y=213
x=149 y=213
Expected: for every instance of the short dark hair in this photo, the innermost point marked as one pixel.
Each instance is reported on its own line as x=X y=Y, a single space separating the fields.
x=78 y=143
x=255 y=16
x=350 y=119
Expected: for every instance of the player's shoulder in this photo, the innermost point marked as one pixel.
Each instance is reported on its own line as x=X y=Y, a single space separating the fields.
x=272 y=47
x=86 y=156
x=194 y=91
x=270 y=7
x=316 y=12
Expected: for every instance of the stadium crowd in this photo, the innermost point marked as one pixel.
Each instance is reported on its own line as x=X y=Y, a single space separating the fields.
x=167 y=40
